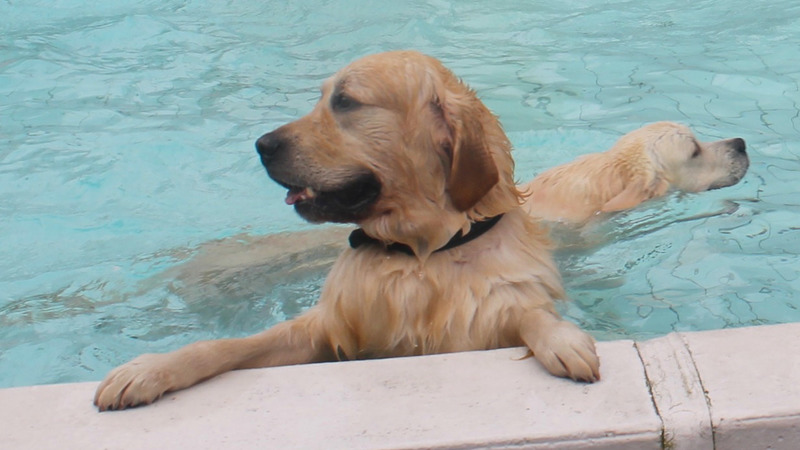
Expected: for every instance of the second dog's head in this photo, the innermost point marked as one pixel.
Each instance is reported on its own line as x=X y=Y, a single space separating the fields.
x=398 y=145
x=665 y=156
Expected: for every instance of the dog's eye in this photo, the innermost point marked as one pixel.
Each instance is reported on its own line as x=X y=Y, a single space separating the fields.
x=341 y=102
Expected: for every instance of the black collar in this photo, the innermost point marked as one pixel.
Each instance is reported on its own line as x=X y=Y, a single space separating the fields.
x=358 y=237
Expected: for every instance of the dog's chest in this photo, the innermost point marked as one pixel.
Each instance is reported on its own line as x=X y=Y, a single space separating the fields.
x=395 y=305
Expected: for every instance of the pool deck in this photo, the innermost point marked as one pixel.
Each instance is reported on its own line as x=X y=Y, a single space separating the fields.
x=725 y=389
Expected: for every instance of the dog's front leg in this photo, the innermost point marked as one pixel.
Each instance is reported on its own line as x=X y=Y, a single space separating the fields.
x=146 y=378
x=563 y=349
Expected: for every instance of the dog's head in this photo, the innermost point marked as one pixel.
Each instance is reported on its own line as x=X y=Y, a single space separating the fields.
x=694 y=166
x=667 y=155
x=398 y=145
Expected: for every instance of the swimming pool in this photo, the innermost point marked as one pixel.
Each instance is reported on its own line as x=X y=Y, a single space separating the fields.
x=127 y=145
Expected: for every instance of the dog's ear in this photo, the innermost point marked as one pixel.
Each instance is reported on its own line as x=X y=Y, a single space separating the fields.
x=642 y=178
x=472 y=170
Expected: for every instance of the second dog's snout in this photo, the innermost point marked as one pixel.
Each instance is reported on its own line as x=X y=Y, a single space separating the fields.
x=739 y=145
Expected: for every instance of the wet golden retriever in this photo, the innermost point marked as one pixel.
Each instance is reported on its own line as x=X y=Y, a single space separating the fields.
x=644 y=164
x=445 y=259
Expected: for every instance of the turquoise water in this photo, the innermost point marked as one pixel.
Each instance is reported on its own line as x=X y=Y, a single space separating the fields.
x=126 y=142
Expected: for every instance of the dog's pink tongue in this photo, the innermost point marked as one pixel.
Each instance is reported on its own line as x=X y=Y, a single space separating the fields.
x=298 y=195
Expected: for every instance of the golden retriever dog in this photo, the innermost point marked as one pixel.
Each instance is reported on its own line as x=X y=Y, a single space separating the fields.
x=644 y=164
x=445 y=259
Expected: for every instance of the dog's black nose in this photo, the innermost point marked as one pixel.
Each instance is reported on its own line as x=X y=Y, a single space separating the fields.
x=739 y=145
x=269 y=145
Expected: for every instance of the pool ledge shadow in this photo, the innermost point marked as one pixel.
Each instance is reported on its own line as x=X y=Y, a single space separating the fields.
x=724 y=389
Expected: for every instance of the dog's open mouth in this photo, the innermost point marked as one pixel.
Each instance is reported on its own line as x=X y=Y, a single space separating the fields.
x=298 y=194
x=350 y=202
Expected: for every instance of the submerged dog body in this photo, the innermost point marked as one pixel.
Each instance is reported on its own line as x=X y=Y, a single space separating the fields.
x=398 y=145
x=644 y=164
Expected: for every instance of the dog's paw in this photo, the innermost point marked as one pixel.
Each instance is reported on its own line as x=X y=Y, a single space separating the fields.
x=567 y=351
x=138 y=382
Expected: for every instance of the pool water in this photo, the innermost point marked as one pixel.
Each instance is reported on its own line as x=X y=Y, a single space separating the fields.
x=126 y=146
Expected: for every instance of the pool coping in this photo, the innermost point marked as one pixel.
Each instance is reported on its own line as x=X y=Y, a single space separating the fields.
x=724 y=389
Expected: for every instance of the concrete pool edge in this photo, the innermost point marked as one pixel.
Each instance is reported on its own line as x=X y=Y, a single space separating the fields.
x=725 y=389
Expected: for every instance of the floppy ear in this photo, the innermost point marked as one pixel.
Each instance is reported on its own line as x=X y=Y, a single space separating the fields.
x=472 y=171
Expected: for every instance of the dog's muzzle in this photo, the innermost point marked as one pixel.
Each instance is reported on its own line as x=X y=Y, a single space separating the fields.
x=348 y=201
